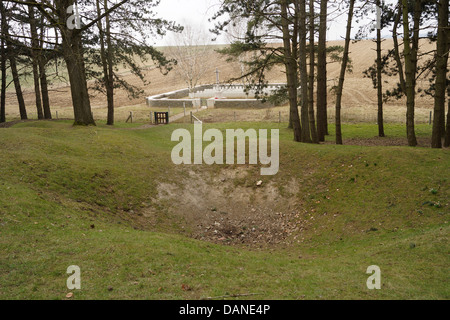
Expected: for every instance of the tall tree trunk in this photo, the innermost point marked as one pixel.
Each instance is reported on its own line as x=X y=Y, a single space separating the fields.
x=110 y=82
x=43 y=77
x=15 y=75
x=322 y=117
x=303 y=69
x=312 y=117
x=398 y=60
x=103 y=50
x=447 y=130
x=73 y=57
x=340 y=87
x=34 y=57
x=441 y=75
x=294 y=46
x=291 y=73
x=3 y=63
x=380 y=119
x=72 y=49
x=44 y=90
x=410 y=54
x=18 y=87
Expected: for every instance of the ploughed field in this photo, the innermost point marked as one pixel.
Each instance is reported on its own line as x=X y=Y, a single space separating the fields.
x=359 y=97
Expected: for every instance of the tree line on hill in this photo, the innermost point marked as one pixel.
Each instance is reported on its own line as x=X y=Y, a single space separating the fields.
x=91 y=39
x=79 y=41
x=301 y=27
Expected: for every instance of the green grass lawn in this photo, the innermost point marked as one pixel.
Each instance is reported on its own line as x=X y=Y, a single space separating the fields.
x=73 y=196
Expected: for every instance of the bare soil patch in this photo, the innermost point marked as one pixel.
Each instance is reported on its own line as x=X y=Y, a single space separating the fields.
x=10 y=124
x=386 y=141
x=229 y=208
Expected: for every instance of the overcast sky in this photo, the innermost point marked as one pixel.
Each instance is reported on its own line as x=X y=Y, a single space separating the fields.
x=197 y=13
x=188 y=12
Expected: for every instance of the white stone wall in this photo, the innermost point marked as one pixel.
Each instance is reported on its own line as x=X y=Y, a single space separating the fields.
x=232 y=92
x=218 y=96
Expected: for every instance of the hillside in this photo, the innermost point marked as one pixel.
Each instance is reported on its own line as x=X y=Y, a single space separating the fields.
x=139 y=227
x=358 y=91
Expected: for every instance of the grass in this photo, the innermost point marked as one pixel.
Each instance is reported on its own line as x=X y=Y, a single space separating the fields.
x=360 y=114
x=74 y=196
x=141 y=114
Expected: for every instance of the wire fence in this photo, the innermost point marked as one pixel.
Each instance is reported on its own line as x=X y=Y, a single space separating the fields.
x=274 y=115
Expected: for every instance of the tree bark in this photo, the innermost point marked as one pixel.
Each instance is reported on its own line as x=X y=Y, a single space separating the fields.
x=441 y=75
x=312 y=117
x=15 y=75
x=447 y=131
x=294 y=46
x=322 y=117
x=3 y=26
x=18 y=87
x=410 y=54
x=73 y=55
x=306 y=133
x=106 y=57
x=44 y=91
x=340 y=87
x=398 y=60
x=35 y=62
x=43 y=77
x=291 y=73
x=110 y=83
x=380 y=119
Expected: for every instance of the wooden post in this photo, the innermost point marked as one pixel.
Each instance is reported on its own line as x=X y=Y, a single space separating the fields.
x=279 y=117
x=431 y=117
x=192 y=118
x=130 y=117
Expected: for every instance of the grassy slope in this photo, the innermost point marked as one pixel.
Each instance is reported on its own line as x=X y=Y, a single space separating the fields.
x=367 y=205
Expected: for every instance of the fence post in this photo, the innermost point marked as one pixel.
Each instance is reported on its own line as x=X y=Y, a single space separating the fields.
x=279 y=117
x=192 y=121
x=130 y=117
